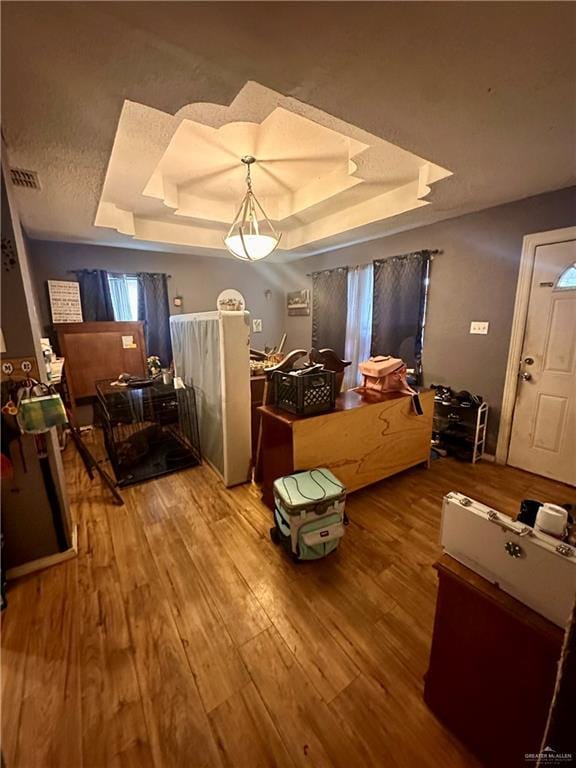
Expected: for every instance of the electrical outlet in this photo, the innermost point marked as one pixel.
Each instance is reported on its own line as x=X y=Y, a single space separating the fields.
x=256 y=326
x=477 y=326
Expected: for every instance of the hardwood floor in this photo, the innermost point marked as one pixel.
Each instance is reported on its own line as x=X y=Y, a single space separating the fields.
x=181 y=636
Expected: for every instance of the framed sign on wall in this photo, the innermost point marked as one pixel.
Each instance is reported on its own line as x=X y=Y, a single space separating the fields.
x=65 y=305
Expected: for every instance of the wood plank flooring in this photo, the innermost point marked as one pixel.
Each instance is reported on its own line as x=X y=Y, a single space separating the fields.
x=181 y=637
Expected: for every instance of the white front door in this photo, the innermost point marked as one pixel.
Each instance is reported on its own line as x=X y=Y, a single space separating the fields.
x=544 y=426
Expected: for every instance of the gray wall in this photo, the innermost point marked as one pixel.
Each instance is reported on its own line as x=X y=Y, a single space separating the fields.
x=27 y=514
x=197 y=279
x=474 y=278
x=15 y=323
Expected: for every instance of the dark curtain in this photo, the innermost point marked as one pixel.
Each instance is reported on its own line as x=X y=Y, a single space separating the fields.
x=154 y=310
x=95 y=295
x=329 y=307
x=400 y=285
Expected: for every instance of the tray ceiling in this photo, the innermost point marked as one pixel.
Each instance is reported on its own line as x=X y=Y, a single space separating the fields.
x=178 y=179
x=485 y=90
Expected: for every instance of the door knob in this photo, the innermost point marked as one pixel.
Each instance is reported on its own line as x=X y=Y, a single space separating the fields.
x=529 y=360
x=525 y=376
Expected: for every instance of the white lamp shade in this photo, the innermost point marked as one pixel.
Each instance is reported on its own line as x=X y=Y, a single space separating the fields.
x=257 y=246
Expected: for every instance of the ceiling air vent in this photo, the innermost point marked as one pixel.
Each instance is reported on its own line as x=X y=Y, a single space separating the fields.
x=22 y=178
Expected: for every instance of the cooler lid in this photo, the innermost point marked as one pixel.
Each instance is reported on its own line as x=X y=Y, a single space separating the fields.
x=309 y=487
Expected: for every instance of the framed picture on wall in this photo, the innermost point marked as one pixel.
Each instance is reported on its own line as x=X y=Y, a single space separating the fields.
x=299 y=302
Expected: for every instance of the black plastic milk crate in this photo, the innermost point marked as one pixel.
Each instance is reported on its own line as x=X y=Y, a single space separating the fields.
x=305 y=394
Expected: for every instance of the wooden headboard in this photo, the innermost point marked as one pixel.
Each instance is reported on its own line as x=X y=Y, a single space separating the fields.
x=95 y=351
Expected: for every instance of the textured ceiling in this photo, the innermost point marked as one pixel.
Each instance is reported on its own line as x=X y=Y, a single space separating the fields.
x=486 y=90
x=178 y=179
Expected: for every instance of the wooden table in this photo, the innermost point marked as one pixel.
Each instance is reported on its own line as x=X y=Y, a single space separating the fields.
x=492 y=667
x=367 y=437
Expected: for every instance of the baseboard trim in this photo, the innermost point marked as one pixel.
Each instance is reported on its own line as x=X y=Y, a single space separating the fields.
x=45 y=562
x=489 y=457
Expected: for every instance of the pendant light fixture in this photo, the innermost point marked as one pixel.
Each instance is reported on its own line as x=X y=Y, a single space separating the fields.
x=251 y=236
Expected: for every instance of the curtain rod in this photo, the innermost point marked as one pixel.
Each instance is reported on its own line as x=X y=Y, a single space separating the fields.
x=128 y=274
x=433 y=253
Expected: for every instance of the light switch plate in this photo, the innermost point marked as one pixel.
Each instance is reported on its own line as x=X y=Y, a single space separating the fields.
x=477 y=326
x=256 y=326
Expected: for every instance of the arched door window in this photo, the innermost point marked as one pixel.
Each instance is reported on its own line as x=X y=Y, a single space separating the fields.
x=567 y=280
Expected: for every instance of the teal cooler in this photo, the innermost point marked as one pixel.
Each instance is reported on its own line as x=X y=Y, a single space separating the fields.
x=309 y=513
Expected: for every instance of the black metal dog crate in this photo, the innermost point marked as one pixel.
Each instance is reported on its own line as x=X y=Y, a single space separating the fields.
x=148 y=431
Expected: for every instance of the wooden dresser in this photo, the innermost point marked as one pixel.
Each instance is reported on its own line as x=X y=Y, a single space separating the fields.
x=100 y=350
x=368 y=437
x=492 y=667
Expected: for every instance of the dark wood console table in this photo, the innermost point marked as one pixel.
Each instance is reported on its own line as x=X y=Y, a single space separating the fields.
x=492 y=667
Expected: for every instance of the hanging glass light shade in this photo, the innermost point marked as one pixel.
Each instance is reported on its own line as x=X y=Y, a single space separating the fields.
x=251 y=236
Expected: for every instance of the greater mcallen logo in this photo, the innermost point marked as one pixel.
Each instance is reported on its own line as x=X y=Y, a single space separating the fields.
x=549 y=756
